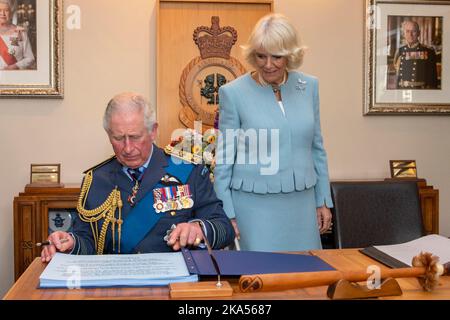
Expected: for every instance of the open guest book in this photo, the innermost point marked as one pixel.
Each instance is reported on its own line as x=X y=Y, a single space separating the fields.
x=160 y=269
x=401 y=255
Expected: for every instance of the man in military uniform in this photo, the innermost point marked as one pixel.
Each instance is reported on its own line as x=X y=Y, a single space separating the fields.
x=415 y=63
x=141 y=200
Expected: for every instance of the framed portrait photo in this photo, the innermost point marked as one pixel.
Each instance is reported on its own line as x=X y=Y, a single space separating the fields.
x=31 y=48
x=407 y=66
x=403 y=169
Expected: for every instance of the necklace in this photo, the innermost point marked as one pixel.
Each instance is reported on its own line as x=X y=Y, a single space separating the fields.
x=275 y=87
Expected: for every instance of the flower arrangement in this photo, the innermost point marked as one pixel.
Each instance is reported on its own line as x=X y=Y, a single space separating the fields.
x=196 y=148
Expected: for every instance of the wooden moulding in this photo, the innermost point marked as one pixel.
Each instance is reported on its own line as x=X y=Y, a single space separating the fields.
x=344 y=289
x=201 y=289
x=44 y=185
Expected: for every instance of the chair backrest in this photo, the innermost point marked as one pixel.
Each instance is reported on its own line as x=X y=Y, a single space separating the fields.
x=370 y=213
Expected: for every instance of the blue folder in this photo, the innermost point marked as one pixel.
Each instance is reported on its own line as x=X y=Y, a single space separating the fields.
x=237 y=263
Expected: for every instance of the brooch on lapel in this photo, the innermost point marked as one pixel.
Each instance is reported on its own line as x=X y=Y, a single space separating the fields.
x=14 y=41
x=301 y=84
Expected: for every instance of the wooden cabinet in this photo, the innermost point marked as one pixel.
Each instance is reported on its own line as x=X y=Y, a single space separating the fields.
x=37 y=212
x=429 y=200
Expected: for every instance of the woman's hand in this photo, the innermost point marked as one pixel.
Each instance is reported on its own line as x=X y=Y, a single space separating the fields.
x=236 y=229
x=324 y=219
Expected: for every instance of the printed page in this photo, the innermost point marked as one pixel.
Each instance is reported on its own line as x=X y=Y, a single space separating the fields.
x=116 y=269
x=404 y=252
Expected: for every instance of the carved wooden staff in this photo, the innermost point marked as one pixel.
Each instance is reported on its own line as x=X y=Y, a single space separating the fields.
x=425 y=267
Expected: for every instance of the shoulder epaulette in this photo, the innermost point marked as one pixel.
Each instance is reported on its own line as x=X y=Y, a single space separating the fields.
x=183 y=155
x=100 y=164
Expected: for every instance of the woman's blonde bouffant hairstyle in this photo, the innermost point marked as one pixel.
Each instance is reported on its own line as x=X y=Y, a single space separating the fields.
x=275 y=34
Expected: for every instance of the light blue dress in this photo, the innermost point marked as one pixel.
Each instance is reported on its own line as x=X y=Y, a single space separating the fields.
x=272 y=174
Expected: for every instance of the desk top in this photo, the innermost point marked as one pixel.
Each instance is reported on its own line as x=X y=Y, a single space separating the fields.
x=346 y=259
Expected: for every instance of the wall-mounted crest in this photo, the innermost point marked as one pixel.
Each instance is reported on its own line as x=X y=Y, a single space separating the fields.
x=204 y=75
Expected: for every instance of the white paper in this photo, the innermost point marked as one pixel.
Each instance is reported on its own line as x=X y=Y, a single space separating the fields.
x=405 y=252
x=66 y=270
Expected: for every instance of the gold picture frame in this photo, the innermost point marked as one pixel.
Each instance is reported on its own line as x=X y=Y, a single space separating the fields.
x=42 y=30
x=386 y=89
x=401 y=169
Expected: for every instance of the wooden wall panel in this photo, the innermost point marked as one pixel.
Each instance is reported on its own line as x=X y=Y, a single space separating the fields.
x=177 y=21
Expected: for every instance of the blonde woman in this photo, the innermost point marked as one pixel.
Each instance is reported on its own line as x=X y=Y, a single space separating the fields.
x=272 y=171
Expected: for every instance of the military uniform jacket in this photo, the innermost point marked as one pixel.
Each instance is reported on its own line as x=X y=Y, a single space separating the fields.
x=416 y=67
x=206 y=206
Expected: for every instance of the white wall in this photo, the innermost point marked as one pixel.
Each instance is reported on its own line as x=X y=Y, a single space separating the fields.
x=115 y=51
x=360 y=147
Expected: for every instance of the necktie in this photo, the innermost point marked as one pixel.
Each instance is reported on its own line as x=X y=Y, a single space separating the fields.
x=136 y=175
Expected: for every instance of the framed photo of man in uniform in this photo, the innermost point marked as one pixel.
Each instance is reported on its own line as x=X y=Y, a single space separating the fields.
x=31 y=48
x=406 y=71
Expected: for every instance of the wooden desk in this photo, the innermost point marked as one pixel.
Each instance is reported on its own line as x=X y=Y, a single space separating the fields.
x=32 y=210
x=347 y=259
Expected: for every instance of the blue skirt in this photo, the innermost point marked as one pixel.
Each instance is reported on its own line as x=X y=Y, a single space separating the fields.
x=277 y=222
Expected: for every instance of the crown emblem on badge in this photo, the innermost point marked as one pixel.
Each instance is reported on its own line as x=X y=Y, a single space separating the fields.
x=215 y=41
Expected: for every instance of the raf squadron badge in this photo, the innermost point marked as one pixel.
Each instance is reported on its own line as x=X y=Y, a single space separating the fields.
x=204 y=75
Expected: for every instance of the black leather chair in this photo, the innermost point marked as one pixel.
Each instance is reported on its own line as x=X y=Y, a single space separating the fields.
x=375 y=213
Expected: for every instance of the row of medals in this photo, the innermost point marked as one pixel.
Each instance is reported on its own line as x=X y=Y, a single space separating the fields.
x=173 y=204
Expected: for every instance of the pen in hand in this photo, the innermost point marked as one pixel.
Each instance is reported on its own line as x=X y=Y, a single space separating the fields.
x=48 y=242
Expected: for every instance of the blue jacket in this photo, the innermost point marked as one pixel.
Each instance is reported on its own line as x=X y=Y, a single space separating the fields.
x=301 y=159
x=207 y=207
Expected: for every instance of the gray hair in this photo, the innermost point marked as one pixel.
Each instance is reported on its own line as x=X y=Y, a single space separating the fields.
x=414 y=23
x=275 y=34
x=10 y=3
x=133 y=102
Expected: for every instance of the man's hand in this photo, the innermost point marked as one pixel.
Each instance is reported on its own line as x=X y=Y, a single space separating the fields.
x=55 y=238
x=185 y=234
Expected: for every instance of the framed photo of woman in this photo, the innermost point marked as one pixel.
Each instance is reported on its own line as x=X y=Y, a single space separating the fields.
x=31 y=59
x=406 y=45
